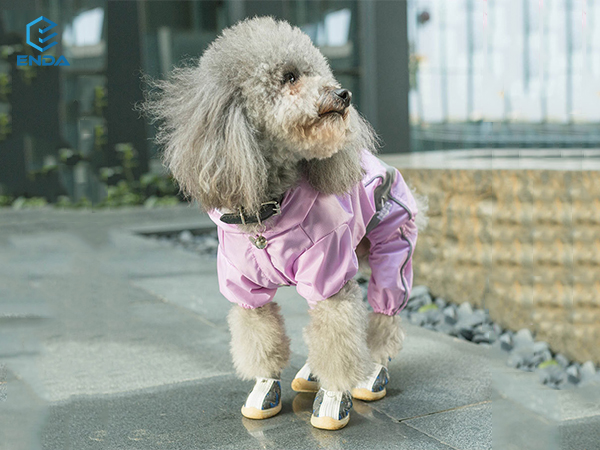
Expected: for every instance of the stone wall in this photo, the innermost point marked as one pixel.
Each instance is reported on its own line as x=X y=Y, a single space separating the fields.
x=522 y=243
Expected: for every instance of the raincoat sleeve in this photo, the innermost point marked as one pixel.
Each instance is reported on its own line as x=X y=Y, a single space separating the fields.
x=237 y=288
x=392 y=246
x=323 y=269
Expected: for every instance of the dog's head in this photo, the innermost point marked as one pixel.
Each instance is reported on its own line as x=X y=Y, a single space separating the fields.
x=261 y=95
x=286 y=86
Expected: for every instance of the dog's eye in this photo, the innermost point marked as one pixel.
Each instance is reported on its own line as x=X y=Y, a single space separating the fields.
x=289 y=77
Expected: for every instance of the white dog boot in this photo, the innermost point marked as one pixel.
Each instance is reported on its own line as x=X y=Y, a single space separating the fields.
x=373 y=388
x=264 y=400
x=331 y=409
x=305 y=381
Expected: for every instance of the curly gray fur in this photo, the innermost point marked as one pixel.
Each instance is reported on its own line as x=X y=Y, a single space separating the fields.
x=334 y=175
x=336 y=338
x=235 y=136
x=259 y=345
x=385 y=337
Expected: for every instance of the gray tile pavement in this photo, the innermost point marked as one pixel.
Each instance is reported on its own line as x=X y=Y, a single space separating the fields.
x=113 y=341
x=467 y=427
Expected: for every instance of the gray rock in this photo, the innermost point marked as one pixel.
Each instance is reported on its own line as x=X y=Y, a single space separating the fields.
x=484 y=314
x=537 y=358
x=405 y=314
x=546 y=355
x=467 y=333
x=434 y=316
x=487 y=337
x=450 y=314
x=523 y=358
x=415 y=303
x=553 y=376
x=562 y=360
x=419 y=291
x=441 y=303
x=186 y=237
x=481 y=317
x=464 y=310
x=515 y=360
x=417 y=318
x=486 y=328
x=506 y=341
x=523 y=338
x=540 y=347
x=573 y=374
x=444 y=327
x=493 y=336
x=588 y=372
x=529 y=363
x=468 y=323
x=210 y=241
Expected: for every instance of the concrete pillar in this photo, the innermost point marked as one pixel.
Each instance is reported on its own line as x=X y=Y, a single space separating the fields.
x=391 y=75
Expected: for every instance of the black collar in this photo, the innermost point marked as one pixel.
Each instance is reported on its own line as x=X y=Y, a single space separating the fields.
x=267 y=209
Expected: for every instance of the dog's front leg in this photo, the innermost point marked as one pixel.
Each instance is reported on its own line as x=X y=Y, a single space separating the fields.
x=260 y=350
x=337 y=354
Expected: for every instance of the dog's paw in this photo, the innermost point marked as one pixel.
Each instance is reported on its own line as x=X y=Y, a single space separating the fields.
x=305 y=381
x=331 y=409
x=264 y=400
x=374 y=387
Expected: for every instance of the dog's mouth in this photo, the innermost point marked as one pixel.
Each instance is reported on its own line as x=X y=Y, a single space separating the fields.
x=334 y=112
x=334 y=102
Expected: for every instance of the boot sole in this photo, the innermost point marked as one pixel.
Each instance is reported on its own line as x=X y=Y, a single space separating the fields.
x=302 y=385
x=367 y=395
x=328 y=423
x=259 y=414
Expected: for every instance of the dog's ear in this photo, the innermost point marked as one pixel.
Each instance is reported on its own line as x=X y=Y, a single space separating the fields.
x=340 y=172
x=209 y=145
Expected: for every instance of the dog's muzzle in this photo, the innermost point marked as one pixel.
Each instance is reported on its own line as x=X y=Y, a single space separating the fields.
x=334 y=101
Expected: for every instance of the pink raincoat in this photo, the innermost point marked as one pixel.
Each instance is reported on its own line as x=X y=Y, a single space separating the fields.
x=311 y=245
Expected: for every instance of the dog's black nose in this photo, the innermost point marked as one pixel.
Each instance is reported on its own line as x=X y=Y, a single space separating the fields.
x=345 y=95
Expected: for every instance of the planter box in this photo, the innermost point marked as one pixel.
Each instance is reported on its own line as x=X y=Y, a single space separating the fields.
x=516 y=232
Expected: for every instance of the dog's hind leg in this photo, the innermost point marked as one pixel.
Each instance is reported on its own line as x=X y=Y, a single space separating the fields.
x=385 y=337
x=260 y=350
x=337 y=354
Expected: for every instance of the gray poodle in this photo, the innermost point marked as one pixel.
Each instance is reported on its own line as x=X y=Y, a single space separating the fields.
x=261 y=134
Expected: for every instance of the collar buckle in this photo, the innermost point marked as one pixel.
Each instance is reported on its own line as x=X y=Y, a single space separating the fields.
x=276 y=206
x=266 y=210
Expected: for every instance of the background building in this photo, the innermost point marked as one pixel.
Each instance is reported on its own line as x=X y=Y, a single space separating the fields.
x=428 y=75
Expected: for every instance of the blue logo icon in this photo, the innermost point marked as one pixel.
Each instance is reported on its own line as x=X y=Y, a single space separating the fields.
x=42 y=31
x=41 y=60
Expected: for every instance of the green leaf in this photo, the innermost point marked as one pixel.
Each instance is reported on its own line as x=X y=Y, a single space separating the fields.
x=426 y=308
x=550 y=362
